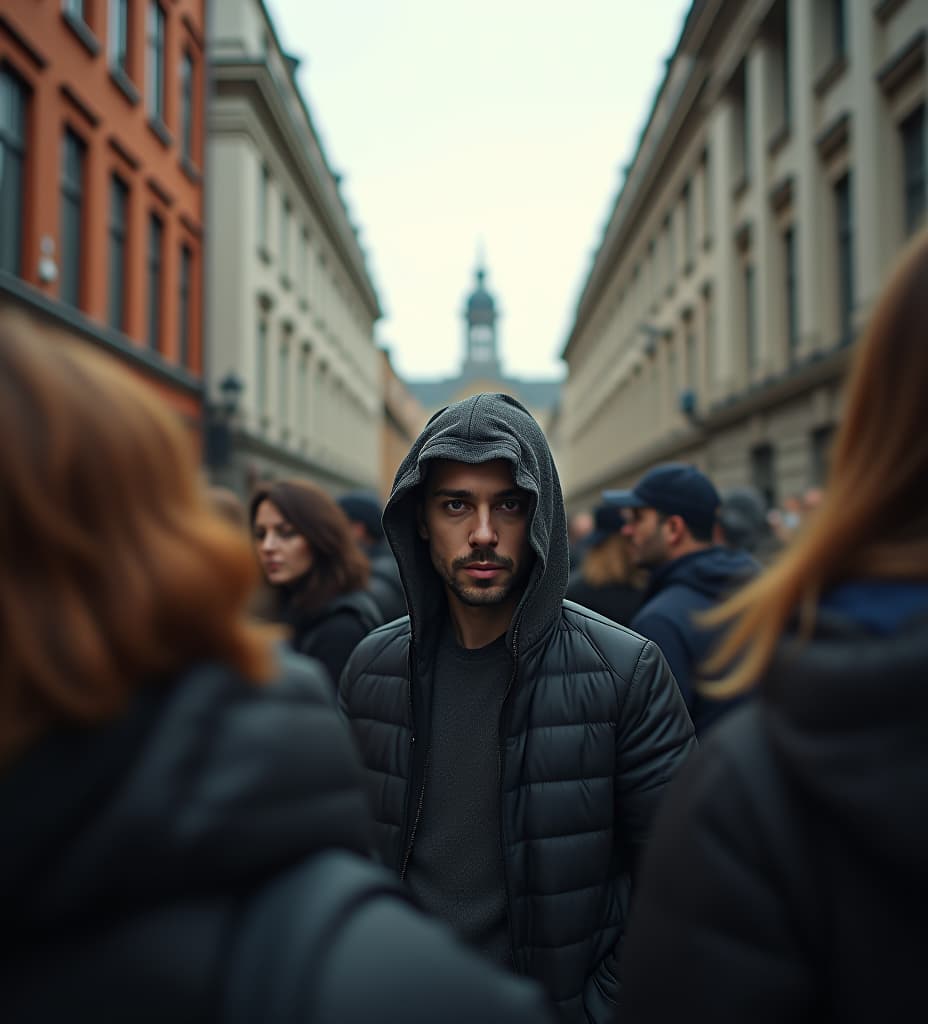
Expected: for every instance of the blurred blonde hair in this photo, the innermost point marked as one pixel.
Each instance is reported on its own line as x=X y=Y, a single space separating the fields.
x=873 y=519
x=116 y=571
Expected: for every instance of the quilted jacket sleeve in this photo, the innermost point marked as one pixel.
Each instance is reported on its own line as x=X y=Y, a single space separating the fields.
x=654 y=739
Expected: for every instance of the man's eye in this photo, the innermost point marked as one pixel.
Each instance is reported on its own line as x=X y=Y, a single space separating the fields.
x=511 y=505
x=454 y=505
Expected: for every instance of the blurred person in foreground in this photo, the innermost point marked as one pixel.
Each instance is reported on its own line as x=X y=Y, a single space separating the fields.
x=316 y=573
x=184 y=826
x=516 y=745
x=606 y=581
x=787 y=879
x=671 y=515
x=384 y=585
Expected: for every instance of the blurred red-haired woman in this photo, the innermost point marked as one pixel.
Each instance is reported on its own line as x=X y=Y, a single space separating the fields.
x=184 y=823
x=787 y=877
x=316 y=570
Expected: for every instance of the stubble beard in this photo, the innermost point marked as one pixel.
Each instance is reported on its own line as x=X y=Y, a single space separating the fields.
x=480 y=594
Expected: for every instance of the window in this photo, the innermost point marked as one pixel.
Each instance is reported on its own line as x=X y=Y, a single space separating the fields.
x=187 y=82
x=689 y=231
x=820 y=451
x=264 y=199
x=671 y=251
x=155 y=237
x=119 y=208
x=845 y=246
x=750 y=317
x=304 y=264
x=763 y=474
x=790 y=283
x=742 y=125
x=692 y=357
x=838 y=28
x=283 y=381
x=261 y=369
x=13 y=98
x=118 y=42
x=155 y=66
x=285 y=212
x=73 y=155
x=778 y=83
x=186 y=278
x=706 y=198
x=912 y=130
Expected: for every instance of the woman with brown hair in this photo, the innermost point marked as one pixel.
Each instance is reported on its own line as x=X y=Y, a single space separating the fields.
x=184 y=823
x=606 y=581
x=315 y=569
x=787 y=878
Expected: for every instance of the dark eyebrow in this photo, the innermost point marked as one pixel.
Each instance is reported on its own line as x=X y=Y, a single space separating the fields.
x=446 y=492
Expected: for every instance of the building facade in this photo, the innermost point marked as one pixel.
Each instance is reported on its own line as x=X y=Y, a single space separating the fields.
x=481 y=368
x=781 y=170
x=403 y=419
x=101 y=197
x=290 y=304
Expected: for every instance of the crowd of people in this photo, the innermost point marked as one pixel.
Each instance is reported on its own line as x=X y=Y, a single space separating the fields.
x=309 y=759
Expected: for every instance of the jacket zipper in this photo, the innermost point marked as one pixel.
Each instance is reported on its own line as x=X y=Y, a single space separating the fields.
x=412 y=756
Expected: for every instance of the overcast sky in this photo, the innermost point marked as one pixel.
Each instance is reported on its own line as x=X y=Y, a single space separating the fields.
x=496 y=123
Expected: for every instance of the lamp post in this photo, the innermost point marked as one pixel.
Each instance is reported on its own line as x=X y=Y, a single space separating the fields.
x=220 y=418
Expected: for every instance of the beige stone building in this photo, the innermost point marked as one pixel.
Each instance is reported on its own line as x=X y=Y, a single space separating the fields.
x=290 y=303
x=782 y=167
x=403 y=419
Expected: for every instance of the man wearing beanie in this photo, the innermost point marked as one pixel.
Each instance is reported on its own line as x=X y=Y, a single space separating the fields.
x=670 y=515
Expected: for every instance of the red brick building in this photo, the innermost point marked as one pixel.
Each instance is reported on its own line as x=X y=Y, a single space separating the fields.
x=101 y=197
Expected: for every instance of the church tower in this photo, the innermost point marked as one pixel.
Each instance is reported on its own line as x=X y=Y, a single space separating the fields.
x=481 y=356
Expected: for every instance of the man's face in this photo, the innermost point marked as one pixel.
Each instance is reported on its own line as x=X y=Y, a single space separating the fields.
x=476 y=522
x=644 y=528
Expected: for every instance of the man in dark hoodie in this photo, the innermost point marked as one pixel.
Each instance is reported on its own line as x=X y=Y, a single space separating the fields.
x=516 y=745
x=671 y=514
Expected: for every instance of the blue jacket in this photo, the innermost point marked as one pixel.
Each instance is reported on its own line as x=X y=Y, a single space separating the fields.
x=678 y=591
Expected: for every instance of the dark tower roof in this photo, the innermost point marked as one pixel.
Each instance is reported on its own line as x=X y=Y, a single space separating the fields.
x=480 y=300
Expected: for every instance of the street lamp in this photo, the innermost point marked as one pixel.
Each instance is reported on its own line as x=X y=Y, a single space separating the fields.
x=219 y=419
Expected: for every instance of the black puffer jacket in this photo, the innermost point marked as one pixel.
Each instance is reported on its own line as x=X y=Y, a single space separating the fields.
x=203 y=859
x=788 y=875
x=333 y=632
x=592 y=727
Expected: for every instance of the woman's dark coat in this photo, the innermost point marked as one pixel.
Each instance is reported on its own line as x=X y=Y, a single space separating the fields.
x=330 y=634
x=787 y=878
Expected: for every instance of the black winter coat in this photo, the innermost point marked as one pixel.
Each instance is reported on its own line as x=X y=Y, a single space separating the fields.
x=591 y=730
x=787 y=879
x=333 y=632
x=203 y=858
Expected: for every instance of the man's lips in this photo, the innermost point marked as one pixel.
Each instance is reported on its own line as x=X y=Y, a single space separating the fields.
x=483 y=570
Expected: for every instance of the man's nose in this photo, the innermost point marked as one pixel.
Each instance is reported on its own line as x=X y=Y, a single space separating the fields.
x=484 y=532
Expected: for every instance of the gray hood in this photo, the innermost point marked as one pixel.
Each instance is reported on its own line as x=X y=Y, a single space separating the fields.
x=478 y=429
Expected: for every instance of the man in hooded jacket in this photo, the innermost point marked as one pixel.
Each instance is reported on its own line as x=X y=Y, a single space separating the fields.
x=516 y=744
